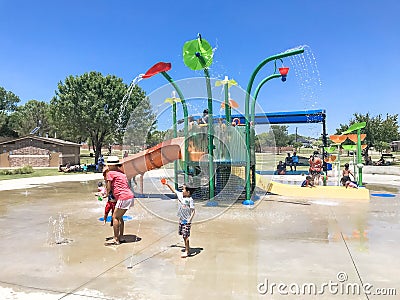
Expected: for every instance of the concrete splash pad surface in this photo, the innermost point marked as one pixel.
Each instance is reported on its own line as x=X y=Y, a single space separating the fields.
x=282 y=240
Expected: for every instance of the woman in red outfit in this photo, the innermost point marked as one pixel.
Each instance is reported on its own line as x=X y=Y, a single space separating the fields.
x=118 y=183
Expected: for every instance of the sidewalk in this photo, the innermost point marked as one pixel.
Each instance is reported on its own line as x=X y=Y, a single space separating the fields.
x=27 y=183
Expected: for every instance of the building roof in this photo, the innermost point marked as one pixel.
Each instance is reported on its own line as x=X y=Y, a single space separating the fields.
x=44 y=139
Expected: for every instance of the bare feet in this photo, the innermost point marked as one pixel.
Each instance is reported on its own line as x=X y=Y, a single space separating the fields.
x=113 y=242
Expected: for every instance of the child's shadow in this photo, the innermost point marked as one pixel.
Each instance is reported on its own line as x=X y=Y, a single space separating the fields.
x=193 y=251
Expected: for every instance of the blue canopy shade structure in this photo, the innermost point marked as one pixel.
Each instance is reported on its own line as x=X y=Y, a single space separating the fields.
x=287 y=117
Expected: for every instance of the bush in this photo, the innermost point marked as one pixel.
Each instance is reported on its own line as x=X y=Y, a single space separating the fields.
x=26 y=170
x=23 y=170
x=6 y=172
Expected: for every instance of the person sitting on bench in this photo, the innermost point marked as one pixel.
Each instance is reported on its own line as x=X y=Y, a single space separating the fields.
x=380 y=162
x=281 y=168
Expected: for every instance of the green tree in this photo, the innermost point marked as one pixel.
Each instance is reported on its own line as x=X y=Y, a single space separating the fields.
x=382 y=146
x=155 y=137
x=140 y=125
x=94 y=106
x=277 y=136
x=297 y=146
x=30 y=115
x=8 y=104
x=389 y=129
x=377 y=129
x=281 y=136
x=264 y=139
x=291 y=139
x=6 y=131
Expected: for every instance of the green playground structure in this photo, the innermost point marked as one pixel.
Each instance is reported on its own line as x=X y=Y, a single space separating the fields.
x=219 y=156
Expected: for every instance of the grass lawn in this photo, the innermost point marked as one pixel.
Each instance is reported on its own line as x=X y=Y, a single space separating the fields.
x=36 y=173
x=86 y=158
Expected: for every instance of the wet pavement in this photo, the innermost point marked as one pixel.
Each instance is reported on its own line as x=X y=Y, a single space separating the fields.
x=53 y=247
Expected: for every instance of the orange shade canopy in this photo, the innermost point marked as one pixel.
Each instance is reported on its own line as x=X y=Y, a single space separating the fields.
x=338 y=139
x=353 y=137
x=330 y=159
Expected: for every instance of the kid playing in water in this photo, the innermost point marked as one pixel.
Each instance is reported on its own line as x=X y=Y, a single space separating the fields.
x=101 y=190
x=281 y=168
x=110 y=206
x=186 y=212
x=308 y=182
x=346 y=174
x=351 y=184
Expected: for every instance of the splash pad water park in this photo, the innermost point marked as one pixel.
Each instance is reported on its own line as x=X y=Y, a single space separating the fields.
x=218 y=157
x=54 y=241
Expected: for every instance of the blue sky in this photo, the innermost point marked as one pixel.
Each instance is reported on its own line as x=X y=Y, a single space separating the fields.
x=355 y=44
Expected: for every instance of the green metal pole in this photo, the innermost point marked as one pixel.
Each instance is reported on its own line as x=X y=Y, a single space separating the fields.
x=210 y=136
x=185 y=123
x=354 y=163
x=175 y=134
x=359 y=159
x=358 y=127
x=252 y=114
x=210 y=128
x=247 y=104
x=253 y=102
x=227 y=107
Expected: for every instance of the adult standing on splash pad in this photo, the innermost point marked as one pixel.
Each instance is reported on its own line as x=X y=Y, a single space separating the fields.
x=117 y=182
x=315 y=167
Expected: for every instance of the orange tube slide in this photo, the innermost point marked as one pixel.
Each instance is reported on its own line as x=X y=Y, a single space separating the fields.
x=153 y=158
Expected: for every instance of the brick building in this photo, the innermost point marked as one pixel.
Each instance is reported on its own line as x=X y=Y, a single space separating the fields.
x=395 y=145
x=38 y=151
